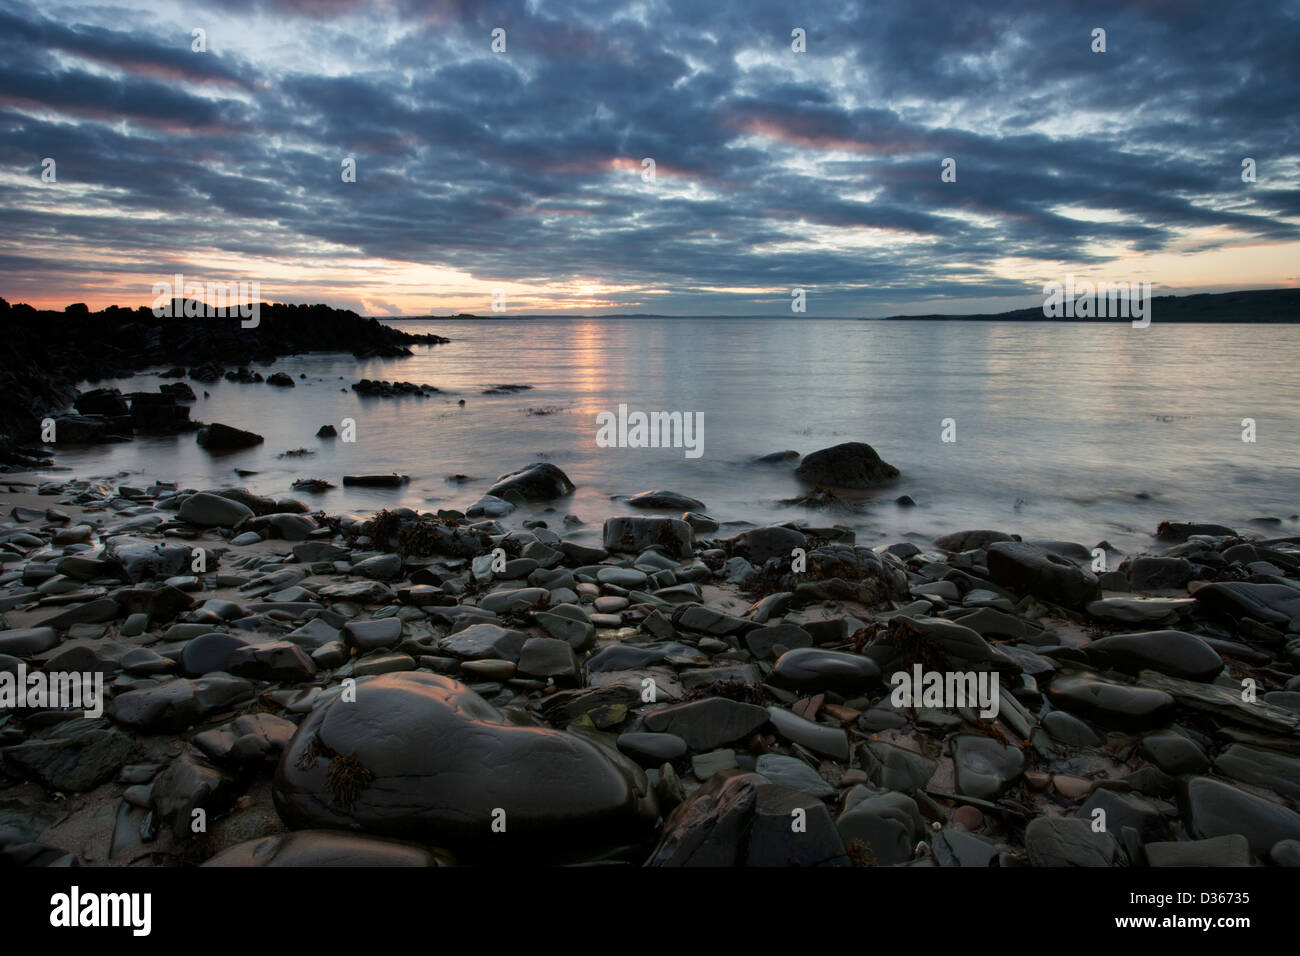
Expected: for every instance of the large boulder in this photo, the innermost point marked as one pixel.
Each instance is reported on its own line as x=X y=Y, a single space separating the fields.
x=540 y=482
x=853 y=464
x=423 y=757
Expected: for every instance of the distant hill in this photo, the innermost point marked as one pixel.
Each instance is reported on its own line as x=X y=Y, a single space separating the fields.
x=1262 y=305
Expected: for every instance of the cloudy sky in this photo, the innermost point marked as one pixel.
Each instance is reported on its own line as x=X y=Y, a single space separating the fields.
x=522 y=171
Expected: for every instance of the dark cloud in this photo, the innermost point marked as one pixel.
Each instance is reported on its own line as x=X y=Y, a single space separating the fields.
x=774 y=169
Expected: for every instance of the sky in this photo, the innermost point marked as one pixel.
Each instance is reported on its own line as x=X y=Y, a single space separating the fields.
x=518 y=175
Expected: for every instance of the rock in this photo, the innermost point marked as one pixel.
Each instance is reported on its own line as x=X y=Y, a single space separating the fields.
x=1170 y=652
x=272 y=661
x=247 y=740
x=374 y=634
x=1230 y=850
x=887 y=825
x=849 y=465
x=210 y=652
x=80 y=756
x=539 y=482
x=740 y=819
x=970 y=540
x=327 y=848
x=706 y=620
x=423 y=757
x=92 y=612
x=188 y=784
x=897 y=768
x=1029 y=570
x=1069 y=841
x=761 y=641
x=1159 y=573
x=218 y=437
x=209 y=510
x=280 y=380
x=814 y=669
x=28 y=641
x=1138 y=610
x=793 y=773
x=1224 y=702
x=669 y=500
x=1262 y=768
x=1212 y=808
x=651 y=750
x=709 y=723
x=1116 y=706
x=382 y=567
x=828 y=741
x=1177 y=532
x=634 y=534
x=479 y=641
x=1275 y=604
x=489 y=506
x=548 y=657
x=773 y=541
x=984 y=767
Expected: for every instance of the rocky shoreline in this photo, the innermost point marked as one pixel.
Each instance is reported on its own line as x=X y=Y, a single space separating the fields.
x=294 y=688
x=48 y=354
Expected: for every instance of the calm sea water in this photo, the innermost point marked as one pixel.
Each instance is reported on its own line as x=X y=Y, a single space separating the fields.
x=1059 y=428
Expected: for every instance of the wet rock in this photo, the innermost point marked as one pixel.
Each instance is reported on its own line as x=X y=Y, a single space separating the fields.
x=828 y=741
x=740 y=819
x=28 y=641
x=539 y=482
x=78 y=756
x=1068 y=841
x=209 y=510
x=423 y=757
x=984 y=767
x=793 y=773
x=960 y=541
x=1117 y=706
x=651 y=750
x=272 y=661
x=1159 y=573
x=1030 y=570
x=761 y=544
x=634 y=534
x=669 y=500
x=188 y=784
x=1275 y=604
x=763 y=640
x=1170 y=652
x=374 y=634
x=1262 y=768
x=849 y=465
x=209 y=652
x=1174 y=753
x=218 y=437
x=248 y=739
x=887 y=825
x=814 y=668
x=1212 y=808
x=709 y=723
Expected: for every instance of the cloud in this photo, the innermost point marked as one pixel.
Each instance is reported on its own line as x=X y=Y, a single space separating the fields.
x=774 y=169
